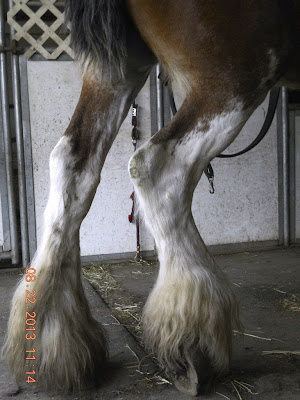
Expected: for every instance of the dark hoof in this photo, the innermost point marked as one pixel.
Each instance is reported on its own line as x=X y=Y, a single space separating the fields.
x=196 y=377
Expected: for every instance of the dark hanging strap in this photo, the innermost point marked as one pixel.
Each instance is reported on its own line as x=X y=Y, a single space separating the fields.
x=273 y=100
x=172 y=100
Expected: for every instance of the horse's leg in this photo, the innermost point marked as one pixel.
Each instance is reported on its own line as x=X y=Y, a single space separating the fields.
x=188 y=316
x=69 y=343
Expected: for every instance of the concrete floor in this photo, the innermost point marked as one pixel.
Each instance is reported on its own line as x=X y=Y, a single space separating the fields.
x=267 y=287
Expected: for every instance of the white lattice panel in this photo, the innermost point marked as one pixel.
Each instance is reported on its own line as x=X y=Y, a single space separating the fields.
x=48 y=32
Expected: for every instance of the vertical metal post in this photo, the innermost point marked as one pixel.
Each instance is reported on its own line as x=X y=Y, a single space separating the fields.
x=285 y=167
x=297 y=176
x=159 y=120
x=280 y=172
x=167 y=108
x=3 y=193
x=30 y=199
x=7 y=142
x=292 y=176
x=153 y=101
x=160 y=105
x=20 y=151
x=159 y=102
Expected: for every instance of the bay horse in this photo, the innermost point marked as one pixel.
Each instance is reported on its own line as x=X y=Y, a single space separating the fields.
x=226 y=55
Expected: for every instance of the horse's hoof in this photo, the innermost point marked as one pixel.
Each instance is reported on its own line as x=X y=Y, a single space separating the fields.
x=197 y=375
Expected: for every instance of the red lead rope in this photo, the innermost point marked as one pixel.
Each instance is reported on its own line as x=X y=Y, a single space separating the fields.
x=131 y=218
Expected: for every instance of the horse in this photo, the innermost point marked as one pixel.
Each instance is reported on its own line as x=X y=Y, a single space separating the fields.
x=226 y=56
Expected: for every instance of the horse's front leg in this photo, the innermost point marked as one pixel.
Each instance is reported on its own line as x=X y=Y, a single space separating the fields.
x=188 y=316
x=69 y=344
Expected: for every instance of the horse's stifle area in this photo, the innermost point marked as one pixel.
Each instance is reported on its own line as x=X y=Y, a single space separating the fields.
x=265 y=365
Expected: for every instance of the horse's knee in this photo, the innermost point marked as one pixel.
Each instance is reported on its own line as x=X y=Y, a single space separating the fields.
x=138 y=166
x=148 y=164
